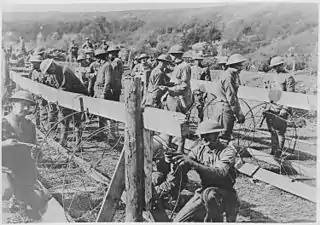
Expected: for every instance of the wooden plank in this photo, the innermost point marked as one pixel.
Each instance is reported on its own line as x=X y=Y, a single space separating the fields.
x=148 y=146
x=299 y=189
x=113 y=195
x=134 y=152
x=163 y=121
x=154 y=119
x=295 y=100
x=248 y=169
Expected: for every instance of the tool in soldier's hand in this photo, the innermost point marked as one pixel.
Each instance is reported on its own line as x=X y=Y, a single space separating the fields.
x=274 y=95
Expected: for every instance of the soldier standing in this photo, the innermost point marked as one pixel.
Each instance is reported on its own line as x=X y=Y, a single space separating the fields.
x=117 y=68
x=158 y=78
x=199 y=72
x=179 y=97
x=277 y=115
x=66 y=80
x=87 y=44
x=214 y=162
x=81 y=70
x=73 y=51
x=104 y=45
x=104 y=85
x=143 y=69
x=227 y=109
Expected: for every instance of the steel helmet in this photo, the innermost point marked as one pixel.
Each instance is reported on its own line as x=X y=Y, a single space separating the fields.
x=113 y=48
x=23 y=95
x=186 y=55
x=275 y=61
x=209 y=126
x=45 y=65
x=100 y=52
x=222 y=60
x=39 y=50
x=143 y=56
x=87 y=38
x=81 y=57
x=36 y=58
x=164 y=58
x=235 y=58
x=89 y=50
x=176 y=49
x=197 y=57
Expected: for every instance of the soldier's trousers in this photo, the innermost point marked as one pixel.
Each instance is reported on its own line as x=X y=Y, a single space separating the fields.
x=209 y=205
x=225 y=116
x=277 y=127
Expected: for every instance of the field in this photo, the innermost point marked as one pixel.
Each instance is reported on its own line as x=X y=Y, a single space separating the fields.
x=81 y=193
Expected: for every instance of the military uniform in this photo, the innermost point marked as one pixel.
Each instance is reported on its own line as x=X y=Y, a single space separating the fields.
x=143 y=71
x=276 y=115
x=92 y=75
x=73 y=52
x=104 y=86
x=217 y=195
x=158 y=77
x=87 y=44
x=200 y=73
x=227 y=108
x=117 y=67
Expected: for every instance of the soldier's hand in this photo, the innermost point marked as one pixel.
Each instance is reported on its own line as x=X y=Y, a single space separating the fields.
x=241 y=119
x=181 y=159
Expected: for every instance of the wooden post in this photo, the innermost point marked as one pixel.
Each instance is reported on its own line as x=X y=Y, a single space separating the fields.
x=134 y=152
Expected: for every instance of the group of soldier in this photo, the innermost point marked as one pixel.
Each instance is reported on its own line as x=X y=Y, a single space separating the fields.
x=166 y=85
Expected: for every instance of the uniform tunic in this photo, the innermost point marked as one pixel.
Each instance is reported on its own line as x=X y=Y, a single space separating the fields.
x=181 y=77
x=158 y=77
x=117 y=68
x=217 y=194
x=200 y=73
x=104 y=85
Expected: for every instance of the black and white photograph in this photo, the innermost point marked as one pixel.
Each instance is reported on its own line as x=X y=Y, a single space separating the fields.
x=159 y=112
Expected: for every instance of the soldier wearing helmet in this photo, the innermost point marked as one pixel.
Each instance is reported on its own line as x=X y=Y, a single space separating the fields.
x=277 y=115
x=158 y=78
x=80 y=71
x=104 y=45
x=228 y=109
x=105 y=81
x=117 y=67
x=19 y=171
x=66 y=80
x=87 y=44
x=222 y=60
x=214 y=162
x=179 y=95
x=142 y=70
x=73 y=51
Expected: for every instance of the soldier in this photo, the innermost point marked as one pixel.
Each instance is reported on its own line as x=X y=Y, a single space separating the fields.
x=92 y=73
x=214 y=162
x=143 y=70
x=199 y=72
x=117 y=68
x=19 y=171
x=36 y=75
x=73 y=51
x=66 y=80
x=81 y=70
x=89 y=53
x=134 y=63
x=179 y=97
x=104 y=85
x=104 y=45
x=87 y=44
x=158 y=78
x=277 y=115
x=227 y=108
x=222 y=62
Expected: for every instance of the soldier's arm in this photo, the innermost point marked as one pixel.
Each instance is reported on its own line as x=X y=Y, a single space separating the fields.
x=221 y=167
x=231 y=96
x=185 y=79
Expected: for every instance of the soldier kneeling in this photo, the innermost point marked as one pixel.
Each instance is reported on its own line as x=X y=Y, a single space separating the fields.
x=215 y=164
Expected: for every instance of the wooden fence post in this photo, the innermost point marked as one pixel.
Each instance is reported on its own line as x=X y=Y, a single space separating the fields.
x=134 y=152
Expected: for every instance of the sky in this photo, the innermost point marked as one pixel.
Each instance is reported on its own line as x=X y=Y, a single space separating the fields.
x=92 y=6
